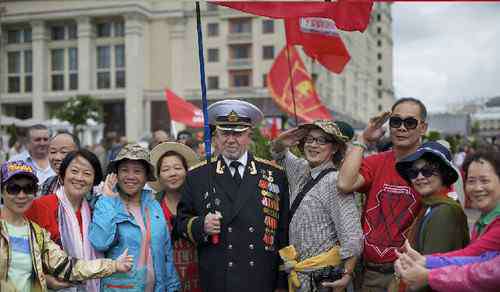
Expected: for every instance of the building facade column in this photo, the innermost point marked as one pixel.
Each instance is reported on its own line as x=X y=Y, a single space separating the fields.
x=147 y=116
x=40 y=63
x=177 y=32
x=85 y=56
x=134 y=66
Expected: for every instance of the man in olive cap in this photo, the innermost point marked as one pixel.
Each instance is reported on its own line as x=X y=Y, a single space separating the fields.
x=242 y=200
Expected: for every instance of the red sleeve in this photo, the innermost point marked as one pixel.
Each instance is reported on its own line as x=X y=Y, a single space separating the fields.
x=43 y=211
x=488 y=241
x=483 y=276
x=367 y=170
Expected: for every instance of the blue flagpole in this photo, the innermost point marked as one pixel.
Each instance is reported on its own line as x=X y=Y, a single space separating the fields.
x=207 y=136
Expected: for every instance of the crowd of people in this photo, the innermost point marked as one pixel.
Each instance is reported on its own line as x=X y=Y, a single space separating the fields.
x=323 y=215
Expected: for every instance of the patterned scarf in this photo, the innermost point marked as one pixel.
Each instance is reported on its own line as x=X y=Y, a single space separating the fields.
x=71 y=238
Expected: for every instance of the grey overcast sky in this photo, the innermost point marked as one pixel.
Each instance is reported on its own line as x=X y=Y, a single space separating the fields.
x=446 y=52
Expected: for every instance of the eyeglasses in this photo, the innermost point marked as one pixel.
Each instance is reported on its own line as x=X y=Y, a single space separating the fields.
x=15 y=189
x=426 y=171
x=320 y=140
x=409 y=123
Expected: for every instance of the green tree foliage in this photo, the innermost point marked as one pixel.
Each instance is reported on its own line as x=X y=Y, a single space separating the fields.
x=433 y=136
x=77 y=110
x=261 y=146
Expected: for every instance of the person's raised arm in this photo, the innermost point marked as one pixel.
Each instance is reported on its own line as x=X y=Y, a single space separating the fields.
x=349 y=178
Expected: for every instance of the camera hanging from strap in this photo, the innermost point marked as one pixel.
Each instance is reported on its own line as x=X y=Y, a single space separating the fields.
x=307 y=187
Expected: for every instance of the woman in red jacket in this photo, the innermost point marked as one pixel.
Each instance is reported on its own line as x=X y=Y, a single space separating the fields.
x=172 y=161
x=67 y=214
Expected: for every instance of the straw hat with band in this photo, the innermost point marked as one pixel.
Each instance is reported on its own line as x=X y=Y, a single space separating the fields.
x=435 y=152
x=159 y=150
x=134 y=152
x=234 y=115
x=333 y=131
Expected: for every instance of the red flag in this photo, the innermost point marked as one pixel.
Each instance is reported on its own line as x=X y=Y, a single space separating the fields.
x=320 y=39
x=182 y=111
x=349 y=15
x=280 y=82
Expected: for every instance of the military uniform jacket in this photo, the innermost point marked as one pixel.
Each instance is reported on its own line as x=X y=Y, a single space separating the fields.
x=254 y=225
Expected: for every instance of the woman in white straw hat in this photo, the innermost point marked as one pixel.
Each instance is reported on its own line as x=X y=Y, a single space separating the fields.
x=171 y=161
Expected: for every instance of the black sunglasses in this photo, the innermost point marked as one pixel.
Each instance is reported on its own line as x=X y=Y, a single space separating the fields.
x=409 y=123
x=426 y=171
x=15 y=189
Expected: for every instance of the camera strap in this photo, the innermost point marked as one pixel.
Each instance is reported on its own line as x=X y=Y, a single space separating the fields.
x=307 y=187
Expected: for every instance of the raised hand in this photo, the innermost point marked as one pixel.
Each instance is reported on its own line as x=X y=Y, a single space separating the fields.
x=212 y=223
x=289 y=138
x=374 y=130
x=124 y=262
x=109 y=185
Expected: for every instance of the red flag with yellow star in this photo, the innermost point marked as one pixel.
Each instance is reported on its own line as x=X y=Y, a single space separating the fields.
x=281 y=82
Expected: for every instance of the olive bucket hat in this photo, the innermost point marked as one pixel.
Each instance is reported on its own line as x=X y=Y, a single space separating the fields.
x=134 y=152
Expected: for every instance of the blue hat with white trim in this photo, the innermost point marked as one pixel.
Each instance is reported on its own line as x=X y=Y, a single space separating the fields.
x=437 y=152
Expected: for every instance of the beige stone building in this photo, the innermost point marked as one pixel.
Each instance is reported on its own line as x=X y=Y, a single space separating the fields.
x=126 y=52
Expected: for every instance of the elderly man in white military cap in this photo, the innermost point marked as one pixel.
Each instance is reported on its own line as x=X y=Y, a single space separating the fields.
x=242 y=200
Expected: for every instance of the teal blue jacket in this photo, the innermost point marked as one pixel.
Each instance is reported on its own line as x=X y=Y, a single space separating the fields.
x=113 y=230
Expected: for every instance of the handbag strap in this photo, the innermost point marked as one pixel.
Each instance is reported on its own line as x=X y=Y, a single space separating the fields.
x=307 y=187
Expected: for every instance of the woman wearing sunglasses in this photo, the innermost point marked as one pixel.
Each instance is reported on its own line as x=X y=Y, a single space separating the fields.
x=27 y=252
x=441 y=224
x=482 y=185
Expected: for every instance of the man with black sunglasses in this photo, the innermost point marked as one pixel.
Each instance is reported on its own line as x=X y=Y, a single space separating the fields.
x=391 y=204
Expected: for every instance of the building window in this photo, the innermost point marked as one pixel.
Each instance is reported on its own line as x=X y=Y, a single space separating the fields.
x=379 y=69
x=379 y=30
x=213 y=82
x=379 y=43
x=240 y=78
x=264 y=80
x=103 y=67
x=379 y=107
x=267 y=26
x=379 y=82
x=14 y=36
x=61 y=32
x=17 y=36
x=120 y=66
x=57 y=33
x=240 y=25
x=72 y=32
x=379 y=56
x=57 y=61
x=115 y=28
x=73 y=68
x=213 y=55
x=111 y=66
x=14 y=71
x=213 y=29
x=242 y=51
x=28 y=71
x=379 y=94
x=268 y=52
x=27 y=35
x=119 y=28
x=103 y=29
x=379 y=17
